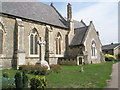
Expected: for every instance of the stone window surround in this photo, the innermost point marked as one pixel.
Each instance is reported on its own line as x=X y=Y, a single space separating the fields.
x=58 y=42
x=93 y=50
x=33 y=55
x=1 y=52
x=2 y=28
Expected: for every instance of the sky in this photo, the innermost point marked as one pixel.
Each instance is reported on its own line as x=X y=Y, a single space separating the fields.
x=104 y=16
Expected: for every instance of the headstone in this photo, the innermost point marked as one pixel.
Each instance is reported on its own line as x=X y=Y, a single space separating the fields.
x=42 y=61
x=82 y=70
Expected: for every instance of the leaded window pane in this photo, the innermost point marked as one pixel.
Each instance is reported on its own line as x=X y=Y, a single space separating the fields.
x=36 y=46
x=1 y=41
x=59 y=46
x=31 y=44
x=56 y=46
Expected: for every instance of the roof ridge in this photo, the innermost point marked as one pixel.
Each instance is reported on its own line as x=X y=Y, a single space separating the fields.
x=83 y=22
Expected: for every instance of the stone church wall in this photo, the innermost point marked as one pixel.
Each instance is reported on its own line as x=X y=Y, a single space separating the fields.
x=92 y=36
x=10 y=40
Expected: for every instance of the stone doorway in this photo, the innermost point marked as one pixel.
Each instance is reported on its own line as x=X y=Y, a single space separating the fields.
x=80 y=61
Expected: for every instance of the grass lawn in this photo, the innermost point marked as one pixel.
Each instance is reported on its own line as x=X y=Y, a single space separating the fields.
x=94 y=76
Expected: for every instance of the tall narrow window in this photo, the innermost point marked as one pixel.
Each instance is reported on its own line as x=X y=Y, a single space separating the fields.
x=33 y=42
x=58 y=44
x=36 y=46
x=93 y=49
x=1 y=38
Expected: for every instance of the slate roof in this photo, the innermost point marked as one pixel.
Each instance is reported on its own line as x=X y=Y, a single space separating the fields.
x=43 y=13
x=79 y=36
x=34 y=11
x=78 y=24
x=110 y=46
x=37 y=11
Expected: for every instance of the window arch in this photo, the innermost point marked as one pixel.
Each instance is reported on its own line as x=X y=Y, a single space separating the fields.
x=93 y=49
x=1 y=38
x=58 y=44
x=33 y=42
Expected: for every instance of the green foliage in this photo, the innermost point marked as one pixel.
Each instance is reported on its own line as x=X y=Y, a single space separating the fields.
x=55 y=68
x=5 y=74
x=38 y=82
x=24 y=80
x=18 y=80
x=21 y=81
x=7 y=83
x=70 y=77
x=34 y=69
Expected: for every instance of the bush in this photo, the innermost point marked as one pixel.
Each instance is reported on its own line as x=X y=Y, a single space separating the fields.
x=21 y=81
x=55 y=68
x=7 y=83
x=26 y=68
x=18 y=80
x=38 y=82
x=34 y=69
x=5 y=75
x=24 y=80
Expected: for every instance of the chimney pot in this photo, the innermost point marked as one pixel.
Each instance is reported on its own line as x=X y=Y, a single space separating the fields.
x=69 y=12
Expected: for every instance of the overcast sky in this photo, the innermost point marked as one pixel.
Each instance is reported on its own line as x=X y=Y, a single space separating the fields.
x=103 y=14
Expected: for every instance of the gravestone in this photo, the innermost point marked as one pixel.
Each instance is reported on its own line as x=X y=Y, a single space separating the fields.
x=42 y=61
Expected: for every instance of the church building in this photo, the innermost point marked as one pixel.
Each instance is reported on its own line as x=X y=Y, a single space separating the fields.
x=66 y=41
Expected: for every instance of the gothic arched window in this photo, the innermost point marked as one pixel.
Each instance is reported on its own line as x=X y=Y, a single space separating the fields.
x=33 y=42
x=1 y=38
x=58 y=44
x=93 y=49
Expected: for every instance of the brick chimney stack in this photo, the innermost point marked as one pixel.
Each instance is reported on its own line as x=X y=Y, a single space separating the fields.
x=69 y=12
x=70 y=23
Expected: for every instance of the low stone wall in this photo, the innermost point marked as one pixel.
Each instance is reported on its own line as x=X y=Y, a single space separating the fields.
x=7 y=63
x=67 y=61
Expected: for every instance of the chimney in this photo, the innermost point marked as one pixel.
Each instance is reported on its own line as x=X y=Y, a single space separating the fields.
x=70 y=23
x=69 y=12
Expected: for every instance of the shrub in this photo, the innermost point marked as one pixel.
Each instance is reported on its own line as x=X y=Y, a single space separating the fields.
x=38 y=82
x=55 y=68
x=21 y=81
x=34 y=69
x=18 y=80
x=24 y=80
x=7 y=83
x=5 y=75
x=39 y=70
x=26 y=68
